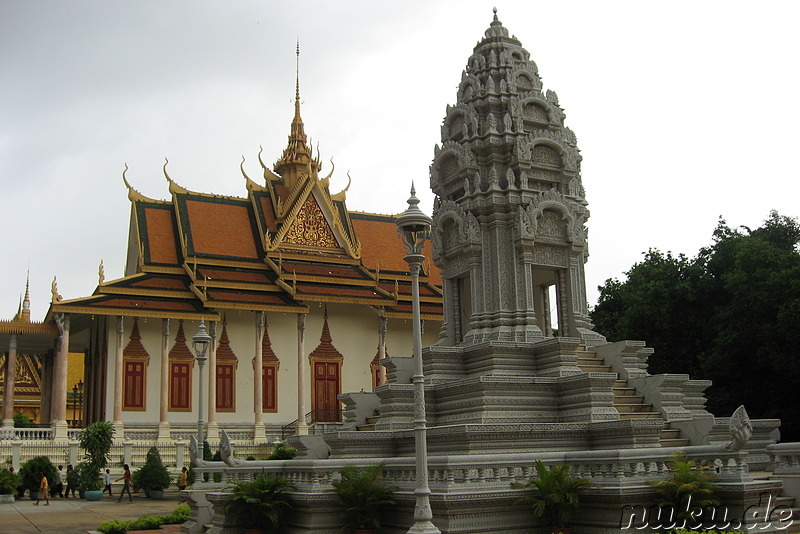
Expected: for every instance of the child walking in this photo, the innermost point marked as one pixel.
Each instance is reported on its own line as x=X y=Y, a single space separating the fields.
x=107 y=480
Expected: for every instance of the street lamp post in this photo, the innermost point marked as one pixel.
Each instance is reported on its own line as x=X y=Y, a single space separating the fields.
x=414 y=228
x=200 y=342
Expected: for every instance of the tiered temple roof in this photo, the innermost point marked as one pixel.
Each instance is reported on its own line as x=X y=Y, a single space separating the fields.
x=287 y=243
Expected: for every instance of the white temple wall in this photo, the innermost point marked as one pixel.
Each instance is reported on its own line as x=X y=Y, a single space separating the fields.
x=354 y=330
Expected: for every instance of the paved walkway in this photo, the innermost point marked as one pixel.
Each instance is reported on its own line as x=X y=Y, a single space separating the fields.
x=78 y=516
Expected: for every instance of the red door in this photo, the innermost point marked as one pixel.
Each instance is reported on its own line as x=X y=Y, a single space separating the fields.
x=326 y=389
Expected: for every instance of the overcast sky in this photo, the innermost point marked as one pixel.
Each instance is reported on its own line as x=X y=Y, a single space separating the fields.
x=684 y=112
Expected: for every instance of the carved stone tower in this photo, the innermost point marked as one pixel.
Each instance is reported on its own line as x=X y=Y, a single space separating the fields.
x=509 y=221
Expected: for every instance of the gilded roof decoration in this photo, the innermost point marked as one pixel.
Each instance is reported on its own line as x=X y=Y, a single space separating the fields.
x=310 y=227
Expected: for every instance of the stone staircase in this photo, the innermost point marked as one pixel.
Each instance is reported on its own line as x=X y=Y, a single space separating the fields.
x=371 y=420
x=627 y=402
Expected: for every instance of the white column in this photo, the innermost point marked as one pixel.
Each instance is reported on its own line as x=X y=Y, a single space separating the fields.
x=119 y=428
x=58 y=410
x=259 y=432
x=8 y=391
x=212 y=428
x=302 y=376
x=163 y=418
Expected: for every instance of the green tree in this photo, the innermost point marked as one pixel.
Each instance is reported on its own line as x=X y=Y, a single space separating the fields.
x=663 y=303
x=727 y=315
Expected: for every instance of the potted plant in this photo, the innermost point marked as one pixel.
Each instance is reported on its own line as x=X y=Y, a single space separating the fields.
x=259 y=505
x=364 y=494
x=554 y=496
x=32 y=471
x=689 y=488
x=153 y=477
x=95 y=440
x=9 y=482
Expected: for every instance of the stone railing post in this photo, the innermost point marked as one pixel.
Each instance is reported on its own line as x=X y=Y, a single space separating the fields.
x=127 y=452
x=16 y=449
x=73 y=452
x=179 y=448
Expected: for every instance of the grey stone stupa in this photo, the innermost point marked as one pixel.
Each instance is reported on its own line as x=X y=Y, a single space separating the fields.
x=508 y=384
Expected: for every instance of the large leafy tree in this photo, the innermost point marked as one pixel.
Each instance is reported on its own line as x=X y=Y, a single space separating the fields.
x=729 y=315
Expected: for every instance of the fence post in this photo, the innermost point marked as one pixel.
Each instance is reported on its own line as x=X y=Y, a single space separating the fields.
x=179 y=454
x=16 y=448
x=127 y=452
x=73 y=452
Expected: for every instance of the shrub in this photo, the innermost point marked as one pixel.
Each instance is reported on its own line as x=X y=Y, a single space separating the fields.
x=689 y=486
x=153 y=475
x=9 y=482
x=147 y=523
x=32 y=471
x=261 y=503
x=114 y=527
x=22 y=421
x=554 y=496
x=282 y=452
x=364 y=494
x=250 y=458
x=180 y=515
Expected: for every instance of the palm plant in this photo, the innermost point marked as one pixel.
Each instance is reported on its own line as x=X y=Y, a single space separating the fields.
x=260 y=503
x=364 y=494
x=688 y=488
x=554 y=496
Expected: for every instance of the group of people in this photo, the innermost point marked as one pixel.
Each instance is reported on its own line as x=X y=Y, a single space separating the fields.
x=58 y=484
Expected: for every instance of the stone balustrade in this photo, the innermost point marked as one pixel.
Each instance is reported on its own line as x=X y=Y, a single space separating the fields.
x=616 y=468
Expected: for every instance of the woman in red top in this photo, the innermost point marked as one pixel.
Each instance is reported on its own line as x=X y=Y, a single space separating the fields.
x=126 y=480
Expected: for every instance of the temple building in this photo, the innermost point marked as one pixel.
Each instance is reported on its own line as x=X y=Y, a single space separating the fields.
x=302 y=298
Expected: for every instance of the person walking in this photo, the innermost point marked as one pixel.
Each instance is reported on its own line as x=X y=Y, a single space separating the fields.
x=126 y=480
x=184 y=480
x=107 y=480
x=70 y=481
x=43 y=488
x=58 y=483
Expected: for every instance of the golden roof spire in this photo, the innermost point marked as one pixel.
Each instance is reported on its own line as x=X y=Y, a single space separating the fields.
x=26 y=301
x=297 y=152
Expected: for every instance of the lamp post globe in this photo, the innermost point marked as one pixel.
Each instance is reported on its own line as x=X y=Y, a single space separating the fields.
x=414 y=229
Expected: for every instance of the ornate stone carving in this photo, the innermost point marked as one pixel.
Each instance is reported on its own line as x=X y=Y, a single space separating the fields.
x=741 y=428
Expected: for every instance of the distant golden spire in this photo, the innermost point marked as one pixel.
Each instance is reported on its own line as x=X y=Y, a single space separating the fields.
x=297 y=153
x=26 y=301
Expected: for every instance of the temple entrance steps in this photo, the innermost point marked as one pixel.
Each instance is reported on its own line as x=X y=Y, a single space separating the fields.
x=780 y=503
x=371 y=421
x=627 y=402
x=670 y=437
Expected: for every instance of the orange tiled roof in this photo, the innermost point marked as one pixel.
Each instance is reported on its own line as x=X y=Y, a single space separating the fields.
x=157 y=232
x=218 y=227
